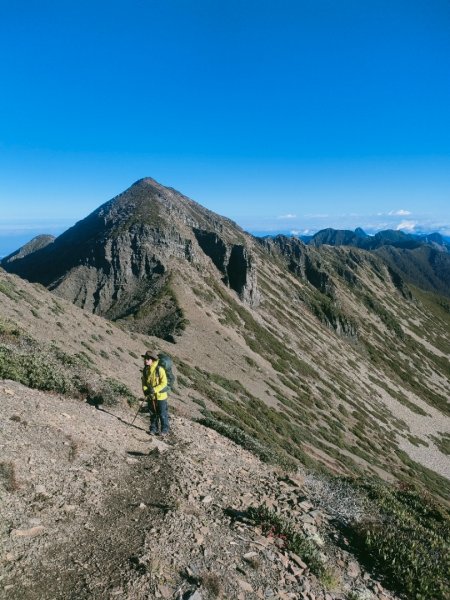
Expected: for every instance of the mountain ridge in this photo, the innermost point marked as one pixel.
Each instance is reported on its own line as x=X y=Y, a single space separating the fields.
x=108 y=496
x=201 y=280
x=423 y=260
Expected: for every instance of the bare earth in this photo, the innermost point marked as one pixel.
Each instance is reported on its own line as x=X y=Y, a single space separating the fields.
x=95 y=508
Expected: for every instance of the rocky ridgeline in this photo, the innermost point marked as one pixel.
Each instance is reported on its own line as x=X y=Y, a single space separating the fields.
x=208 y=535
x=94 y=508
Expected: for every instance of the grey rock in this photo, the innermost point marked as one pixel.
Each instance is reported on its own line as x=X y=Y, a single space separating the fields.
x=353 y=569
x=196 y=596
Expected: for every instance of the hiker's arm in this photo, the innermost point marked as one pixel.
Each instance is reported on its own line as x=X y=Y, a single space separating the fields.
x=162 y=381
x=146 y=387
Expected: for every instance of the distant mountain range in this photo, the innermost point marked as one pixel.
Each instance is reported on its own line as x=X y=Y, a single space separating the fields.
x=420 y=259
x=389 y=237
x=423 y=260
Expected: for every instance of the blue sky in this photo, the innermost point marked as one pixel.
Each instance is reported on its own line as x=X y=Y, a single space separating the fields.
x=283 y=115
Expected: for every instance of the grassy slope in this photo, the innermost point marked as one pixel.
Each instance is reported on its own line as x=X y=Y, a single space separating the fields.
x=280 y=383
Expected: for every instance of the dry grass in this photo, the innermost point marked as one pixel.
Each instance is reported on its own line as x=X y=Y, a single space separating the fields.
x=73 y=448
x=212 y=583
x=8 y=476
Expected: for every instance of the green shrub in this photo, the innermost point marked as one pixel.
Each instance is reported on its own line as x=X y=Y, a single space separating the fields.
x=48 y=368
x=199 y=401
x=8 y=476
x=32 y=370
x=7 y=288
x=88 y=346
x=113 y=390
x=241 y=438
x=406 y=538
x=443 y=442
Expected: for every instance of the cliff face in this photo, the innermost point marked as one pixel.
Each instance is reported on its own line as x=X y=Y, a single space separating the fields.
x=119 y=261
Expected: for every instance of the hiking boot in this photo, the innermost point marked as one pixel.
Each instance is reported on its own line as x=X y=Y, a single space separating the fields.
x=164 y=433
x=153 y=432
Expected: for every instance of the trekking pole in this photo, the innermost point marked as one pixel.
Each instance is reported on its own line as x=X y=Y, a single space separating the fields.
x=140 y=406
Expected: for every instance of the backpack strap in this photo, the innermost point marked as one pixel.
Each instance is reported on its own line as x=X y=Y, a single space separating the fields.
x=166 y=389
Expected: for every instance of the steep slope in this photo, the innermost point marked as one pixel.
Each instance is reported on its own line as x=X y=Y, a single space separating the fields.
x=426 y=267
x=91 y=507
x=37 y=243
x=117 y=261
x=322 y=355
x=422 y=260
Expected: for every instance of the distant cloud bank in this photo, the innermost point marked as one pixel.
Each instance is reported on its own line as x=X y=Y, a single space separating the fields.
x=399 y=213
x=407 y=226
x=308 y=224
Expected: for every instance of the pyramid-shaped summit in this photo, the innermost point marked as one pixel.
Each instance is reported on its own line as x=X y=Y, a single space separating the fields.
x=120 y=260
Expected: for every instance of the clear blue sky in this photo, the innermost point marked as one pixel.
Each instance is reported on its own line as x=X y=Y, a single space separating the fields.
x=281 y=114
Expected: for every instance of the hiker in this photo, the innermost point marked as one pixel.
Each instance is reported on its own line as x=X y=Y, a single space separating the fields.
x=155 y=387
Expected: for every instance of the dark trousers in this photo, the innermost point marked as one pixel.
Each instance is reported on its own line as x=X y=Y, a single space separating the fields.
x=159 y=416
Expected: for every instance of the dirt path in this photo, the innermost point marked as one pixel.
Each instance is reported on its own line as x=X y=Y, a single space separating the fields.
x=101 y=559
x=80 y=489
x=93 y=508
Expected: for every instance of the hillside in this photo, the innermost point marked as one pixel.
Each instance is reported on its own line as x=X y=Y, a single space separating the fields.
x=422 y=260
x=319 y=360
x=321 y=345
x=96 y=508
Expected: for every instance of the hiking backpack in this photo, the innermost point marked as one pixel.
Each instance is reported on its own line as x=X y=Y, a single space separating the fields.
x=166 y=363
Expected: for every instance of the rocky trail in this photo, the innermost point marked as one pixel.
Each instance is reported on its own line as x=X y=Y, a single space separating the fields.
x=92 y=507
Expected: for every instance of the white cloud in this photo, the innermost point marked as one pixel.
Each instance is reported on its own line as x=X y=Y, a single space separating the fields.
x=288 y=216
x=302 y=231
x=406 y=226
x=399 y=213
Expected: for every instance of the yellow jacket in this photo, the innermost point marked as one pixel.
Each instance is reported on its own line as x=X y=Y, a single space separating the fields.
x=155 y=377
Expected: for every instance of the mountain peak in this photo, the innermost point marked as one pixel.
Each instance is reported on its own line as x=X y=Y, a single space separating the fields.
x=120 y=260
x=37 y=243
x=360 y=232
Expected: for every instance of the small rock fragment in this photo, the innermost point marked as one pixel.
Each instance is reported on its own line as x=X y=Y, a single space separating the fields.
x=353 y=569
x=32 y=532
x=11 y=557
x=165 y=591
x=245 y=586
x=298 y=560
